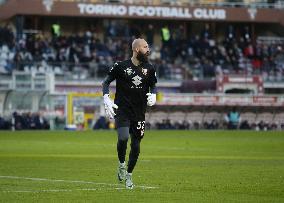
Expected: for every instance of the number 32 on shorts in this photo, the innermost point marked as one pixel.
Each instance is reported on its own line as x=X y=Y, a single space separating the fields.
x=141 y=127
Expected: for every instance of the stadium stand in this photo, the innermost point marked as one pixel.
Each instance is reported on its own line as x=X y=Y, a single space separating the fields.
x=198 y=57
x=213 y=120
x=278 y=120
x=24 y=121
x=266 y=117
x=248 y=116
x=195 y=55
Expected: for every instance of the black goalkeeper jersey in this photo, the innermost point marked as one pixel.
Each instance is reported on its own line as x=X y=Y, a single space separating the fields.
x=132 y=85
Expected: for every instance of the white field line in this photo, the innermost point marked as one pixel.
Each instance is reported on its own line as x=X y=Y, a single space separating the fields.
x=54 y=190
x=73 y=181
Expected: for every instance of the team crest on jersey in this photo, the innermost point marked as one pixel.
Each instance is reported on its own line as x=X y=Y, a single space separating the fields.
x=144 y=71
x=129 y=71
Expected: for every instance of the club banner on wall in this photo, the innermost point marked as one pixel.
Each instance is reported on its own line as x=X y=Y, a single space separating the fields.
x=73 y=8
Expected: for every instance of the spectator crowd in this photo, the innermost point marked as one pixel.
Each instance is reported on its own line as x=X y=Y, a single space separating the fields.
x=179 y=57
x=167 y=124
x=24 y=121
x=29 y=121
x=214 y=124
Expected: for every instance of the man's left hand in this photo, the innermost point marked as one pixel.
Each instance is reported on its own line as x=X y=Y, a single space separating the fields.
x=151 y=99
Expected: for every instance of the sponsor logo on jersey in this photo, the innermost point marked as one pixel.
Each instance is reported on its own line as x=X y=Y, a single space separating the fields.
x=137 y=80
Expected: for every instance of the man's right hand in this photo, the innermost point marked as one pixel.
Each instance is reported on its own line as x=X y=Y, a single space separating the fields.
x=109 y=106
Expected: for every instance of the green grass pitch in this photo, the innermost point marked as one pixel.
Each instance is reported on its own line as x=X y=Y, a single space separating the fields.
x=174 y=166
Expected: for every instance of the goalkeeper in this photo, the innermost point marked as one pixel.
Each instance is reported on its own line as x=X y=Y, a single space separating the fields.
x=135 y=89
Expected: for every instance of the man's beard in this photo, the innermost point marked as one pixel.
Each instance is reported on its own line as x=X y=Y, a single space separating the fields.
x=143 y=58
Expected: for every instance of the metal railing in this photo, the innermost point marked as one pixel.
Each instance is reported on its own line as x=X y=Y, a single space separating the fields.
x=276 y=4
x=86 y=71
x=230 y=3
x=270 y=40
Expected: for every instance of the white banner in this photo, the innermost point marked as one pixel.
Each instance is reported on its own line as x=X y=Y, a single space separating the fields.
x=219 y=100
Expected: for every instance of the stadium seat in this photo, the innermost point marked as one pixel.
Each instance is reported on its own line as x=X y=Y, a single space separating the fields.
x=11 y=55
x=49 y=69
x=158 y=116
x=41 y=69
x=178 y=116
x=33 y=69
x=57 y=70
x=75 y=76
x=3 y=56
x=266 y=117
x=279 y=117
x=83 y=76
x=208 y=117
x=3 y=62
x=195 y=117
x=5 y=49
x=26 y=69
x=3 y=70
x=147 y=116
x=249 y=116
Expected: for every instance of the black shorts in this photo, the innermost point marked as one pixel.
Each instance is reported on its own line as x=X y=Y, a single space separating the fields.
x=136 y=128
